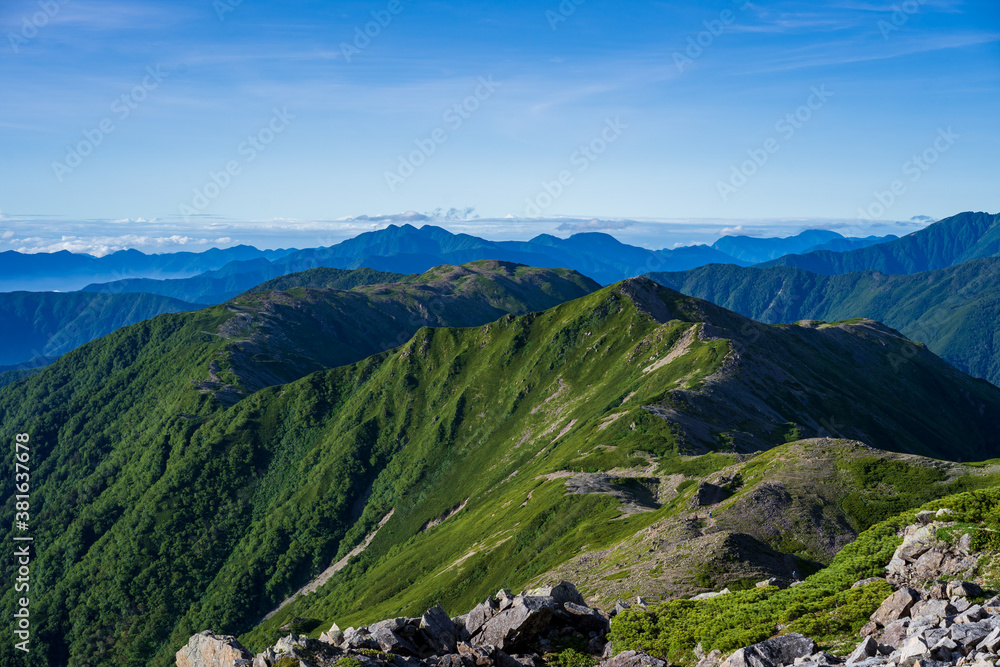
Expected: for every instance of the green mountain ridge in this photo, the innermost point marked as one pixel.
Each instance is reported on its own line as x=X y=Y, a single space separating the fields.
x=278 y=336
x=948 y=242
x=160 y=512
x=951 y=310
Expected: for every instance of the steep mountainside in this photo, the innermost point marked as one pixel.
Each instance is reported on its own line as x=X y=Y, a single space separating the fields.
x=48 y=324
x=945 y=243
x=157 y=513
x=280 y=336
x=951 y=310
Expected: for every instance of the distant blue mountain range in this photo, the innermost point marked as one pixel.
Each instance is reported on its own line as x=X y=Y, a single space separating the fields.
x=408 y=249
x=66 y=271
x=41 y=327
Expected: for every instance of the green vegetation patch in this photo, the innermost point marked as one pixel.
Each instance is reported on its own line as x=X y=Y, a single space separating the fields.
x=824 y=606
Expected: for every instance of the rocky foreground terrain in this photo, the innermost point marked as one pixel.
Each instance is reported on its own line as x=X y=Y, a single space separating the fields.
x=929 y=620
x=506 y=630
x=932 y=618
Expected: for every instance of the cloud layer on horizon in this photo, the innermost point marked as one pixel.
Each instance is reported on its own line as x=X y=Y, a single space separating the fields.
x=100 y=237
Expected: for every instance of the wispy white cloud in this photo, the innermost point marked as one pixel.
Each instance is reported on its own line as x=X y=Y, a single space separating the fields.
x=109 y=15
x=846 y=52
x=164 y=234
x=594 y=225
x=105 y=245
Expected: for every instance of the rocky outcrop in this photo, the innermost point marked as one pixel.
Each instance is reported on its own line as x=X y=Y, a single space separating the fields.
x=505 y=630
x=927 y=621
x=922 y=559
x=208 y=649
x=783 y=650
x=709 y=494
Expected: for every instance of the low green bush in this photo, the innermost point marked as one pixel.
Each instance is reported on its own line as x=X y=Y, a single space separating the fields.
x=570 y=658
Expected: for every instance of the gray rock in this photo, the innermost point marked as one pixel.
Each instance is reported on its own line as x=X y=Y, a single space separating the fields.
x=991 y=642
x=504 y=599
x=385 y=634
x=516 y=626
x=971 y=615
x=561 y=592
x=936 y=608
x=774 y=652
x=819 y=658
x=916 y=544
x=207 y=649
x=933 y=635
x=333 y=636
x=712 y=659
x=476 y=619
x=632 y=659
x=481 y=655
x=360 y=638
x=964 y=589
x=943 y=649
x=925 y=517
x=970 y=634
x=928 y=565
x=706 y=596
x=960 y=605
x=621 y=606
x=710 y=595
x=439 y=629
x=936 y=590
x=915 y=648
x=586 y=619
x=866 y=649
x=453 y=660
x=895 y=633
x=895 y=606
x=306 y=650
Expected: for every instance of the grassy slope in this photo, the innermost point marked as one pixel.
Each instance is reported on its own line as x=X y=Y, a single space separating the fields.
x=160 y=518
x=281 y=336
x=560 y=406
x=825 y=606
x=108 y=421
x=949 y=309
x=792 y=508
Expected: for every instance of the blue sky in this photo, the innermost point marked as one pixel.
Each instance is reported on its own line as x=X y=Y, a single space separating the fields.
x=209 y=123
